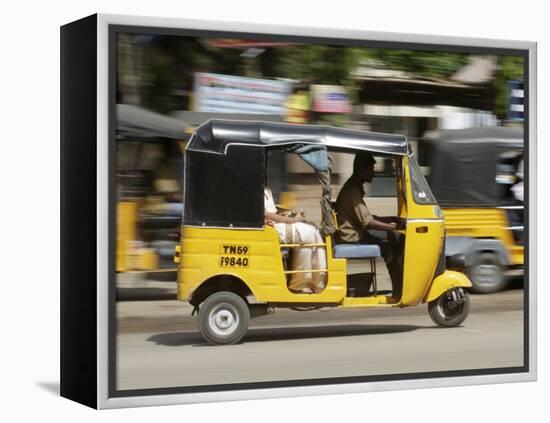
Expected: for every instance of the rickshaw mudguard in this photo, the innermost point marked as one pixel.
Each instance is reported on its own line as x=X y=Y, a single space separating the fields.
x=447 y=280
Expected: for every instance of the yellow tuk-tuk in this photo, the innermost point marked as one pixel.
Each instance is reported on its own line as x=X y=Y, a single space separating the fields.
x=473 y=173
x=231 y=264
x=149 y=150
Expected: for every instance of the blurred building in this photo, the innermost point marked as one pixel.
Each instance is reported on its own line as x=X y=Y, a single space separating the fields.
x=401 y=102
x=396 y=101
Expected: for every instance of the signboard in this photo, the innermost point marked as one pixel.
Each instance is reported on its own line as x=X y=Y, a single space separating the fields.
x=515 y=100
x=330 y=99
x=217 y=93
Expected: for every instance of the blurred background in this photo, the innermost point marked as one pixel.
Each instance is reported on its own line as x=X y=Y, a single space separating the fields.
x=462 y=113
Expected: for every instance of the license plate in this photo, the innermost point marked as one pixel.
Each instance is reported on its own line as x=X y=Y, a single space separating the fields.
x=234 y=255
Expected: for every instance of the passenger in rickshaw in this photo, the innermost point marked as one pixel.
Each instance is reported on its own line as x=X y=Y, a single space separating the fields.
x=293 y=230
x=356 y=225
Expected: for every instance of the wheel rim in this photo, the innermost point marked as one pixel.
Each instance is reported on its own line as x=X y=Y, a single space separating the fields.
x=486 y=274
x=223 y=319
x=448 y=308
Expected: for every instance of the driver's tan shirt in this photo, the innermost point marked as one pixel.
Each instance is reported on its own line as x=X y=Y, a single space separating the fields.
x=352 y=213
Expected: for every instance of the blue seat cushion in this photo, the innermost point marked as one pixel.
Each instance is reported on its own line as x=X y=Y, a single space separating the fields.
x=356 y=251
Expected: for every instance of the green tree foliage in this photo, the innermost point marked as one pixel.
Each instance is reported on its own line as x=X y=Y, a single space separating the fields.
x=334 y=64
x=316 y=64
x=165 y=66
x=428 y=64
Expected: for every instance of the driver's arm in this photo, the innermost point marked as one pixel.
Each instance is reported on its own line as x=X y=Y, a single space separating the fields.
x=398 y=222
x=381 y=226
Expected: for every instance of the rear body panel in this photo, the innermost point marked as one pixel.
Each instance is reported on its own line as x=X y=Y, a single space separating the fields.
x=254 y=257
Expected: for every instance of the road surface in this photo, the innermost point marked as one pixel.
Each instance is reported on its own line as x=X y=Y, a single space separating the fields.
x=158 y=344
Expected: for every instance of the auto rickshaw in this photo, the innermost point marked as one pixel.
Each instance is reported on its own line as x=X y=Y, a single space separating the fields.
x=149 y=206
x=149 y=150
x=473 y=173
x=231 y=264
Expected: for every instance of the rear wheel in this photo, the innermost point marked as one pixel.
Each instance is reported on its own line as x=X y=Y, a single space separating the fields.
x=451 y=308
x=223 y=318
x=486 y=274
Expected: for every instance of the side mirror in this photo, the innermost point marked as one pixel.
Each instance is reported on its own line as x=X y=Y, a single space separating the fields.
x=456 y=262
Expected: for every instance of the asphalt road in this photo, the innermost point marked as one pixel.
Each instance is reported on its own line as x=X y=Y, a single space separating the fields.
x=158 y=344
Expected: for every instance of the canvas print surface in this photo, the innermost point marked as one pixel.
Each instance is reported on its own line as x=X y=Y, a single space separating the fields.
x=296 y=211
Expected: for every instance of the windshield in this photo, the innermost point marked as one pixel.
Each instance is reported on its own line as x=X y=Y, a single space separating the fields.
x=421 y=190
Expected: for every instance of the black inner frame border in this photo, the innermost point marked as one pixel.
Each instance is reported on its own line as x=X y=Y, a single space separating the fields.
x=113 y=392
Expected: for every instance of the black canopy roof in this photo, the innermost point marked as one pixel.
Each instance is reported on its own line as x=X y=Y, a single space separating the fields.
x=215 y=135
x=490 y=136
x=464 y=164
x=136 y=122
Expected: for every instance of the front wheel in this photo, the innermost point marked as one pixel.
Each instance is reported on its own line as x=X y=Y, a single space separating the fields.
x=451 y=308
x=223 y=318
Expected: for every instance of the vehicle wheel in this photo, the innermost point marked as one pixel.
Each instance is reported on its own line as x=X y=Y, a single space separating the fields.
x=486 y=274
x=451 y=308
x=223 y=318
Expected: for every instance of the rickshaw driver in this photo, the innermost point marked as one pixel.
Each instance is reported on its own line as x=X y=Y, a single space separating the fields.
x=356 y=225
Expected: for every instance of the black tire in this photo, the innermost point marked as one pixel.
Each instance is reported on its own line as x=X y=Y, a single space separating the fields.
x=486 y=274
x=446 y=313
x=223 y=318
